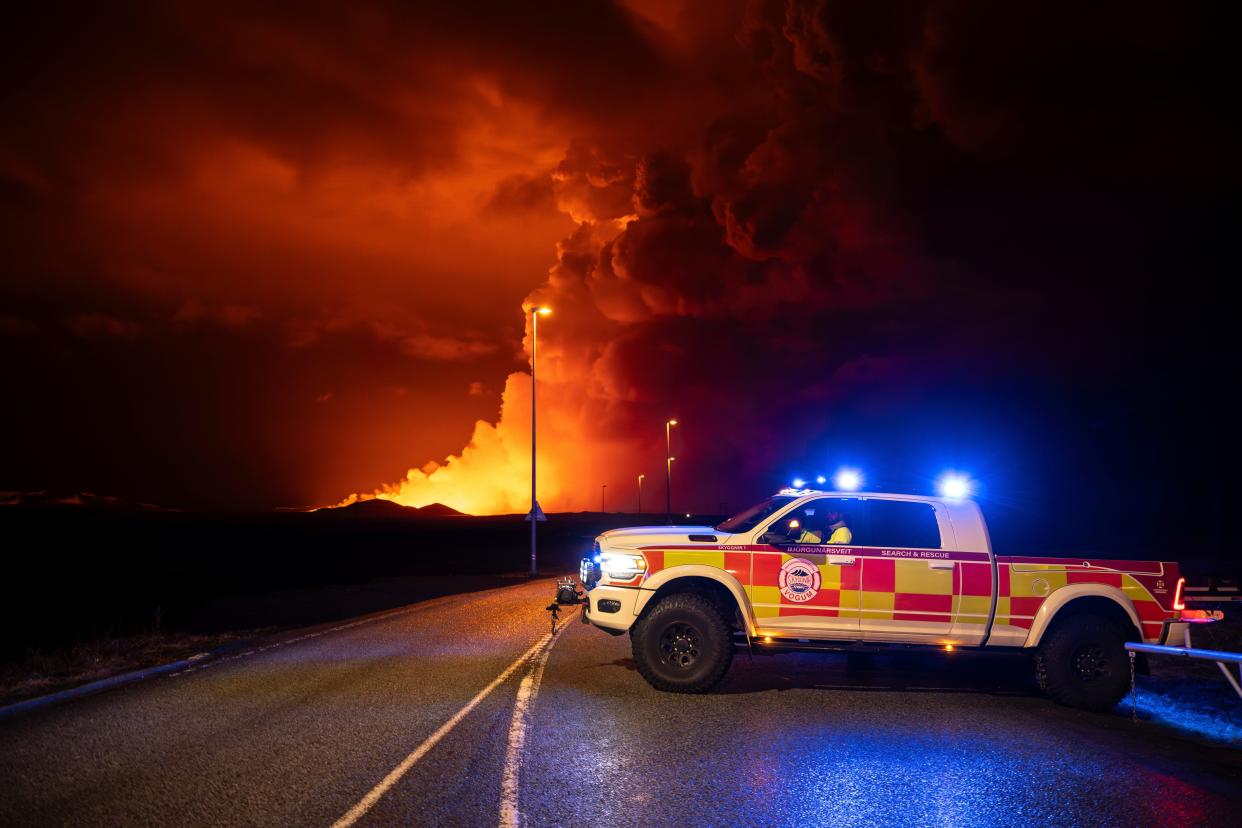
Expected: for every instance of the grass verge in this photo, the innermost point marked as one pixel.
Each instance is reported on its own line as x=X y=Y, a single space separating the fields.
x=42 y=672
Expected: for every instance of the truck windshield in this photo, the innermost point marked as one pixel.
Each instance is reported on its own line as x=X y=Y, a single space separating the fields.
x=748 y=519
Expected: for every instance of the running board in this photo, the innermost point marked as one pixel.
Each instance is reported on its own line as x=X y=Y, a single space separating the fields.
x=771 y=645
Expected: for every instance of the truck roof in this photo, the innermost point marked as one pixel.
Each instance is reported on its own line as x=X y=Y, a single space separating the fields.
x=789 y=492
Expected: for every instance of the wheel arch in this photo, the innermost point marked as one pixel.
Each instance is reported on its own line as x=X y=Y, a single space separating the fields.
x=1084 y=599
x=715 y=583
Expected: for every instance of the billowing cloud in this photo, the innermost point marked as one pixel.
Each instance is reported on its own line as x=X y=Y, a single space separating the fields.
x=93 y=325
x=807 y=274
x=804 y=229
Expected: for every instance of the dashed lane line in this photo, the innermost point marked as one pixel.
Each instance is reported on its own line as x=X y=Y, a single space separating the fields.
x=367 y=802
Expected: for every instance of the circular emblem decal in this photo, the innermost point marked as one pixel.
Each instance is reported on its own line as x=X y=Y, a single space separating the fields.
x=799 y=580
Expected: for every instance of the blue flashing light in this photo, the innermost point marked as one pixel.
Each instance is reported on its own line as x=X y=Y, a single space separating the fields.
x=799 y=483
x=954 y=485
x=821 y=480
x=848 y=480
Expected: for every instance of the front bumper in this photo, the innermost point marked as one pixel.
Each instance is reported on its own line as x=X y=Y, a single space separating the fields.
x=623 y=599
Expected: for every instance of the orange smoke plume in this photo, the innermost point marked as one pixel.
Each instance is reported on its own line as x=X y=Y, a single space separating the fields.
x=491 y=475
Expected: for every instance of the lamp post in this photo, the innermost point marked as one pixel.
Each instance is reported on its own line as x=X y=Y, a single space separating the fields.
x=535 y=511
x=668 y=470
x=640 y=493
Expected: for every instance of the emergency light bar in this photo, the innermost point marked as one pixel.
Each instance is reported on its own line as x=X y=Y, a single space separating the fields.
x=954 y=486
x=848 y=480
x=951 y=485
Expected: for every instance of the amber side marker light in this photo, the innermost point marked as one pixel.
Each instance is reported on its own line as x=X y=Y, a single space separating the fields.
x=948 y=648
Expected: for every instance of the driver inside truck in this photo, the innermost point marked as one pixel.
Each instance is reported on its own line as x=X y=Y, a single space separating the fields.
x=836 y=529
x=830 y=525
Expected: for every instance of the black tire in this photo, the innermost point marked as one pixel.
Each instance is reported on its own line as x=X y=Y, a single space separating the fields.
x=1082 y=662
x=682 y=644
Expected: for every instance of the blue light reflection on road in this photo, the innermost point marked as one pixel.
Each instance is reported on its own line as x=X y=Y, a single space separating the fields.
x=886 y=778
x=1197 y=707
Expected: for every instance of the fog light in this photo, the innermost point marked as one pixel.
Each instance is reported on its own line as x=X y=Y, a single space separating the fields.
x=608 y=605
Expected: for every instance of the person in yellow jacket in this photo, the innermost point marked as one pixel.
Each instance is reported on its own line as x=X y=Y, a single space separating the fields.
x=834 y=527
x=838 y=532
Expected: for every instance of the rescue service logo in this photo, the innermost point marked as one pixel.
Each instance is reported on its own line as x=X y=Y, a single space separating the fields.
x=799 y=580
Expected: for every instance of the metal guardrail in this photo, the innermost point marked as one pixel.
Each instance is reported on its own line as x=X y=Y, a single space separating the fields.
x=1221 y=658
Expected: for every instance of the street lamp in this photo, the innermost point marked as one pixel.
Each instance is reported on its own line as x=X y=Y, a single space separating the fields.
x=640 y=493
x=535 y=512
x=668 y=470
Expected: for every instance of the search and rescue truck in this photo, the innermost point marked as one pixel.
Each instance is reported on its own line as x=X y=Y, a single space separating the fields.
x=916 y=573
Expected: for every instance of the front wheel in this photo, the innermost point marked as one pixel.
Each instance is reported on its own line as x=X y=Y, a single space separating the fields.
x=1082 y=663
x=682 y=644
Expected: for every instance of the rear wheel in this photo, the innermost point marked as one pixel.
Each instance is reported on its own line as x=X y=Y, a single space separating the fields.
x=682 y=644
x=1082 y=663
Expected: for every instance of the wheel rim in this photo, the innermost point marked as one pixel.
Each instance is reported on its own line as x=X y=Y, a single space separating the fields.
x=1090 y=665
x=679 y=646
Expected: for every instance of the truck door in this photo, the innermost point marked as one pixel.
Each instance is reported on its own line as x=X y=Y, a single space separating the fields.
x=908 y=577
x=800 y=584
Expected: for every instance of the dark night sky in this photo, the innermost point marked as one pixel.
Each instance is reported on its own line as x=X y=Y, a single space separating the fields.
x=260 y=257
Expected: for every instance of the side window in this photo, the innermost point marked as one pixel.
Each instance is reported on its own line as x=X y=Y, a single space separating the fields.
x=817 y=522
x=901 y=524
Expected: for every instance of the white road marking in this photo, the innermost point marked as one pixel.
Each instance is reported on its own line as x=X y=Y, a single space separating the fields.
x=510 y=815
x=367 y=802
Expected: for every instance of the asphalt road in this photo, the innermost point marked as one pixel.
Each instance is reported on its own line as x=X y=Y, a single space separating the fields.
x=430 y=716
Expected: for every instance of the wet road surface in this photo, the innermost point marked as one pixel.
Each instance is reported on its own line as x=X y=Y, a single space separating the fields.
x=430 y=715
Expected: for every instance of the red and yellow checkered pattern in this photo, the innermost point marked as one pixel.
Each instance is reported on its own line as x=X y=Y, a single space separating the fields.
x=1022 y=591
x=896 y=589
x=838 y=595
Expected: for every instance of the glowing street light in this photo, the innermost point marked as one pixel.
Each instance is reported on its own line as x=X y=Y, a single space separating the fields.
x=847 y=480
x=536 y=514
x=640 y=493
x=668 y=471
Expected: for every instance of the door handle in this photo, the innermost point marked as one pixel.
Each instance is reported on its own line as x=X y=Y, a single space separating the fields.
x=840 y=560
x=940 y=564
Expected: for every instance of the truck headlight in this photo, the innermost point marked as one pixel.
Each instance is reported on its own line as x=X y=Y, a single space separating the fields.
x=622 y=565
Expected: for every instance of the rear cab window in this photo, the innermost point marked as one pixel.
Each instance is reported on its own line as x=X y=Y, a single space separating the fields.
x=899 y=524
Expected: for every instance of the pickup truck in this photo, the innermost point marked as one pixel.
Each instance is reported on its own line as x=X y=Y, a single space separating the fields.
x=906 y=572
